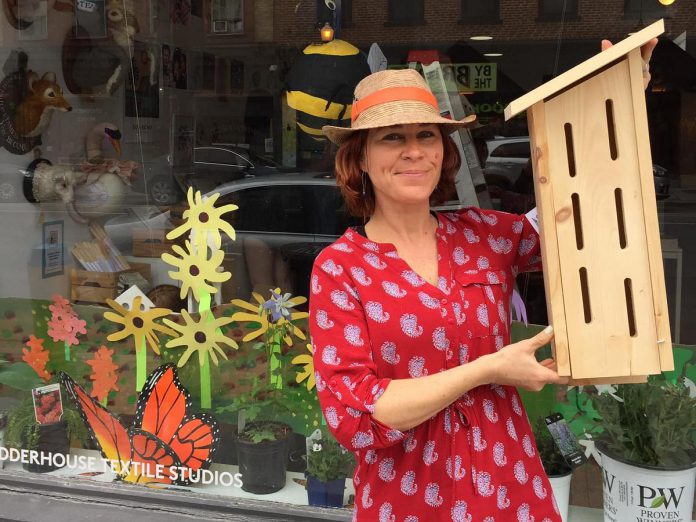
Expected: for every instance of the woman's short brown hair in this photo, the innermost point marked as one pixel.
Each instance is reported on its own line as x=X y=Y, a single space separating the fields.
x=349 y=175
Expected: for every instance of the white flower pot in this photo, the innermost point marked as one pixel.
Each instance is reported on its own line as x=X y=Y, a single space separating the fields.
x=642 y=494
x=561 y=491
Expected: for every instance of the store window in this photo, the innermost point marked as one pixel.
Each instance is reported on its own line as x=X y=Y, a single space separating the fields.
x=165 y=190
x=406 y=12
x=480 y=11
x=326 y=12
x=646 y=10
x=555 y=10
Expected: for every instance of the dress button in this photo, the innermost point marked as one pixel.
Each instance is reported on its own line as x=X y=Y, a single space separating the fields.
x=443 y=301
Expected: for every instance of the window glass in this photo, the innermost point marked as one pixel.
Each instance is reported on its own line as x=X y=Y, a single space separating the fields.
x=166 y=190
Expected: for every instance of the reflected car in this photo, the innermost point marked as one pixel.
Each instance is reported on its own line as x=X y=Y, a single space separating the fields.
x=508 y=157
x=283 y=222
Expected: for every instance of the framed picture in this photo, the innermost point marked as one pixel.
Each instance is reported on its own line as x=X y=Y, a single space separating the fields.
x=32 y=18
x=142 y=87
x=53 y=257
x=167 y=68
x=183 y=138
x=227 y=16
x=208 y=72
x=180 y=68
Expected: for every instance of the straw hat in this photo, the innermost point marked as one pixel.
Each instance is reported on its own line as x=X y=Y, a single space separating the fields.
x=393 y=97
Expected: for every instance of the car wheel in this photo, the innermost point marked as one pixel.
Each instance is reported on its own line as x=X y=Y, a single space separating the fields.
x=163 y=191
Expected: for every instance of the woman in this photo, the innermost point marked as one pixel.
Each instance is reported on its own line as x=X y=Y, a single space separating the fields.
x=409 y=321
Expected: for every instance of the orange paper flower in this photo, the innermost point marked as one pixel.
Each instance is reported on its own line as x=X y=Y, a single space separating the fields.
x=103 y=373
x=36 y=357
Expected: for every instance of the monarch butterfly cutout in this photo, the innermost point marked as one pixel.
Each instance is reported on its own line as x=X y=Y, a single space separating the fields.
x=165 y=443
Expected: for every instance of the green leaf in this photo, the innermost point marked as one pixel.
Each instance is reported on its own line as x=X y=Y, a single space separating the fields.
x=20 y=376
x=658 y=501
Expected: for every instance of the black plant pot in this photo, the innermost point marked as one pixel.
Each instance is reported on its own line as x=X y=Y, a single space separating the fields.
x=53 y=439
x=298 y=450
x=263 y=464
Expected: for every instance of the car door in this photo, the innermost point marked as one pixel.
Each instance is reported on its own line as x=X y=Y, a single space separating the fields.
x=270 y=218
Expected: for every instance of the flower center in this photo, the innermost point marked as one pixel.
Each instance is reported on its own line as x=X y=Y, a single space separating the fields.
x=199 y=337
x=194 y=270
x=138 y=322
x=203 y=217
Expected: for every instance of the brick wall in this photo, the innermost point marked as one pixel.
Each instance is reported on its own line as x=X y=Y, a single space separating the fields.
x=295 y=22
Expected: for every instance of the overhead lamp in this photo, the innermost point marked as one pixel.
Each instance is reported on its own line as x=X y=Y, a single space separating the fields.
x=493 y=55
x=327 y=33
x=480 y=38
x=666 y=2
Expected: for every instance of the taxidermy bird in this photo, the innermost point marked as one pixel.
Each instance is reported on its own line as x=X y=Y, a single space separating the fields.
x=95 y=139
x=44 y=97
x=96 y=66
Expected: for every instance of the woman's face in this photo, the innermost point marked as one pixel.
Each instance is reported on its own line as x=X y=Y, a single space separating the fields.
x=404 y=162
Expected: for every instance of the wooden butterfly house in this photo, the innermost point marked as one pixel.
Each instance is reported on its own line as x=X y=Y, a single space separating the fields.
x=600 y=240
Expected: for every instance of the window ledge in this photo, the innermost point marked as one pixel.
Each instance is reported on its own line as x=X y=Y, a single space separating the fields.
x=480 y=21
x=557 y=19
x=404 y=23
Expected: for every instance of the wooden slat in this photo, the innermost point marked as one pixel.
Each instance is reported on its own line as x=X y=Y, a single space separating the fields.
x=634 y=379
x=652 y=228
x=549 y=242
x=602 y=347
x=584 y=69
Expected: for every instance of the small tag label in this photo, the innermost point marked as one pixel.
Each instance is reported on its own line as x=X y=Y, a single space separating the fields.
x=48 y=405
x=533 y=218
x=86 y=6
x=565 y=440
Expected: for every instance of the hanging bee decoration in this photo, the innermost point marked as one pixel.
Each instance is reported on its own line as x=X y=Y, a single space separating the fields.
x=321 y=82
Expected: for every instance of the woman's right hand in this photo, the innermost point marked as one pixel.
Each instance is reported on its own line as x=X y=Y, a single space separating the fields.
x=516 y=365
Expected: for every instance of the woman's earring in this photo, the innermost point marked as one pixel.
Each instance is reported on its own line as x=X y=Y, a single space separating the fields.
x=364 y=175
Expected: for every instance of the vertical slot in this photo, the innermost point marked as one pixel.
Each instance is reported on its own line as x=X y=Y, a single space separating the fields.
x=570 y=149
x=577 y=218
x=628 y=287
x=584 y=287
x=613 y=150
x=620 y=218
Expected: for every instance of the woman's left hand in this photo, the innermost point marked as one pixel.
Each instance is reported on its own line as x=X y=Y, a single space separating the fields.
x=646 y=52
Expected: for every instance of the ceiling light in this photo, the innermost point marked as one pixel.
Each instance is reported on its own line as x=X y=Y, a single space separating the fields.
x=480 y=38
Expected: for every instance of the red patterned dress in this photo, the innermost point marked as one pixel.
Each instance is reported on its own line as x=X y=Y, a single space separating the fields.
x=373 y=319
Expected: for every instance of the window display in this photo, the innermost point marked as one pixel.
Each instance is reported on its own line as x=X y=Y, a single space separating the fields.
x=166 y=188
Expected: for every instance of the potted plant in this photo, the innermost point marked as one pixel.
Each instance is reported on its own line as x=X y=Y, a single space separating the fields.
x=328 y=466
x=647 y=445
x=557 y=469
x=24 y=432
x=262 y=440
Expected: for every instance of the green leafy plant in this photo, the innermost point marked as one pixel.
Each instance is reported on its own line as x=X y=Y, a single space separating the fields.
x=328 y=460
x=551 y=457
x=19 y=375
x=23 y=430
x=260 y=408
x=653 y=424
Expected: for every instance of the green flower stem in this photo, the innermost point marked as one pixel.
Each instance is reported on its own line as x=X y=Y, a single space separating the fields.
x=274 y=359
x=206 y=388
x=67 y=350
x=140 y=363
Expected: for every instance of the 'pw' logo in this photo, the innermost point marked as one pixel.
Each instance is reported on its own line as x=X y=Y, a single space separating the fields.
x=658 y=497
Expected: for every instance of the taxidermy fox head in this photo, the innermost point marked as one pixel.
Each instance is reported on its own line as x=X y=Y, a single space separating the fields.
x=44 y=96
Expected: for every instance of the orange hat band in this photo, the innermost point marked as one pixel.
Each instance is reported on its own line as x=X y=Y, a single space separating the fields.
x=392 y=94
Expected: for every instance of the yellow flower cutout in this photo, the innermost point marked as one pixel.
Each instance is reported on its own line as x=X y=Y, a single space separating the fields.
x=202 y=336
x=308 y=371
x=137 y=322
x=196 y=271
x=204 y=219
x=277 y=310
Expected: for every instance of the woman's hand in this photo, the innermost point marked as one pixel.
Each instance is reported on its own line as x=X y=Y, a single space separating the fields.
x=646 y=52
x=515 y=364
